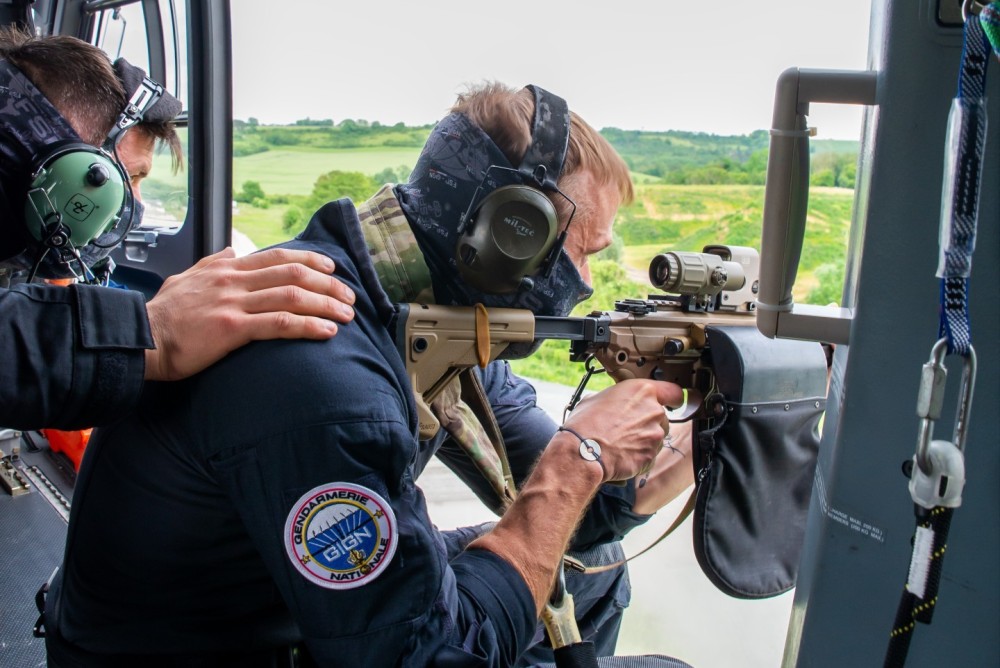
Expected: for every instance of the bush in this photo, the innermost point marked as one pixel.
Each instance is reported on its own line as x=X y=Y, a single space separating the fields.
x=336 y=185
x=294 y=220
x=831 y=284
x=251 y=191
x=615 y=252
x=400 y=174
x=249 y=145
x=822 y=177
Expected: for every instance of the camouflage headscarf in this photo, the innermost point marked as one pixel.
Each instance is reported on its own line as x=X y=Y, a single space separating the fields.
x=29 y=127
x=443 y=182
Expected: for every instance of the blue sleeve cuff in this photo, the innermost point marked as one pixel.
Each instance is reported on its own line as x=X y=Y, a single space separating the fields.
x=609 y=518
x=113 y=333
x=492 y=592
x=112 y=319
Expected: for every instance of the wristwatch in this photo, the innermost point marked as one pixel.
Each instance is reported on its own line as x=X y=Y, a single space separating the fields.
x=590 y=449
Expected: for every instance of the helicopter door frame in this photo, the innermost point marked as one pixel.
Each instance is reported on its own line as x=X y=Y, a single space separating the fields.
x=207 y=226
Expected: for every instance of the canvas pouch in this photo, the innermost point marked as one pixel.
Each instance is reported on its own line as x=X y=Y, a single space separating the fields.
x=754 y=457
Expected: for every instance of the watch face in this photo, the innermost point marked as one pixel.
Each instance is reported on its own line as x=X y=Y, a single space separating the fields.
x=590 y=450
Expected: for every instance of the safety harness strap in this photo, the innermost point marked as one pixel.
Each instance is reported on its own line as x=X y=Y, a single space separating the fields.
x=939 y=465
x=967 y=136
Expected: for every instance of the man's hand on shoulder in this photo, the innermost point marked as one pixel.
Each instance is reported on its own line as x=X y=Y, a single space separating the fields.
x=224 y=302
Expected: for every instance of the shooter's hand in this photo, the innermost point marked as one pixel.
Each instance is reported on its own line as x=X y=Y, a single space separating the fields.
x=628 y=421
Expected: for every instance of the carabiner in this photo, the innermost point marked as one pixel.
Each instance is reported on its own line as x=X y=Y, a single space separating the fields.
x=559 y=616
x=578 y=393
x=971 y=8
x=930 y=400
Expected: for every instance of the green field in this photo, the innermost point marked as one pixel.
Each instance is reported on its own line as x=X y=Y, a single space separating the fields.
x=687 y=218
x=669 y=217
x=293 y=170
x=664 y=216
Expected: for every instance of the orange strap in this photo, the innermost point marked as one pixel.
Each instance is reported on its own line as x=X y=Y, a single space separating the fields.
x=482 y=336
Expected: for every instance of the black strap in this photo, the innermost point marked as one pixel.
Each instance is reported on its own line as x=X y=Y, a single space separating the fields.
x=915 y=608
x=578 y=655
x=543 y=161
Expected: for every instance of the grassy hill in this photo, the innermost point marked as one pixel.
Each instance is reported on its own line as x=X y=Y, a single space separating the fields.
x=671 y=217
x=293 y=170
x=692 y=189
x=687 y=218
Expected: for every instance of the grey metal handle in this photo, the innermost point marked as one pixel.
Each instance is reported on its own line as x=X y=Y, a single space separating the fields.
x=786 y=198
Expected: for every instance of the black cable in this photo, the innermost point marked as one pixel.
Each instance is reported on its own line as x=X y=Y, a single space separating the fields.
x=131 y=203
x=913 y=608
x=42 y=252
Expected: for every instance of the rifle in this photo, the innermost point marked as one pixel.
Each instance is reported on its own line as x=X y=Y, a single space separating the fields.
x=662 y=337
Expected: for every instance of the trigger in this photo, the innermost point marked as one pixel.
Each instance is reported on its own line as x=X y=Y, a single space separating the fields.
x=692 y=402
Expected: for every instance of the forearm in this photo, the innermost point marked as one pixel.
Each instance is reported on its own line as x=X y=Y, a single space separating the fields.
x=535 y=531
x=671 y=474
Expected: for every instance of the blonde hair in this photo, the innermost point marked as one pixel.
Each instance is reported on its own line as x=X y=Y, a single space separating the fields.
x=506 y=114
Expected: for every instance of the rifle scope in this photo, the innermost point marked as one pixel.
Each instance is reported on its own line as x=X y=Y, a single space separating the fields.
x=686 y=273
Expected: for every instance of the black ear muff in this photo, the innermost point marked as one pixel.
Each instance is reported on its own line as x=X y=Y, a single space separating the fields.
x=510 y=235
x=76 y=194
x=509 y=239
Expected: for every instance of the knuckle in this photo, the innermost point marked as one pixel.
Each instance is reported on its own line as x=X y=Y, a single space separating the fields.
x=293 y=296
x=229 y=321
x=297 y=273
x=225 y=279
x=277 y=255
x=284 y=322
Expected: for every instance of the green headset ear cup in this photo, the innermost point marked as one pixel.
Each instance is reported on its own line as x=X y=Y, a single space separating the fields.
x=81 y=184
x=508 y=238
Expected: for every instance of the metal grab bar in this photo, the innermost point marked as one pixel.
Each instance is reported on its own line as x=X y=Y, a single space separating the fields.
x=786 y=197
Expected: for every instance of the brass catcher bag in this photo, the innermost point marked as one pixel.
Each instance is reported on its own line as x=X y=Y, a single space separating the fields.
x=754 y=458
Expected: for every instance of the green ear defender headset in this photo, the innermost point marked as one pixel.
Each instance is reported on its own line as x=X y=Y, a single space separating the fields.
x=513 y=232
x=77 y=191
x=76 y=194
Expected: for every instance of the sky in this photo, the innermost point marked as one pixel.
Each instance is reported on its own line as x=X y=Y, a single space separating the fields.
x=631 y=64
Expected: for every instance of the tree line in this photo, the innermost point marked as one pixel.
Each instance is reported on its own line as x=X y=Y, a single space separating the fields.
x=672 y=157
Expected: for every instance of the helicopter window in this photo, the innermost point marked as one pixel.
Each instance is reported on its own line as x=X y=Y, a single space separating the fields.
x=151 y=34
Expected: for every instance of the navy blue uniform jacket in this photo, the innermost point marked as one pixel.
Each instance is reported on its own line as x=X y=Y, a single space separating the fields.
x=182 y=539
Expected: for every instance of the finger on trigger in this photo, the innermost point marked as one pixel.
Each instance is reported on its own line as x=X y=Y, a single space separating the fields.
x=669 y=394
